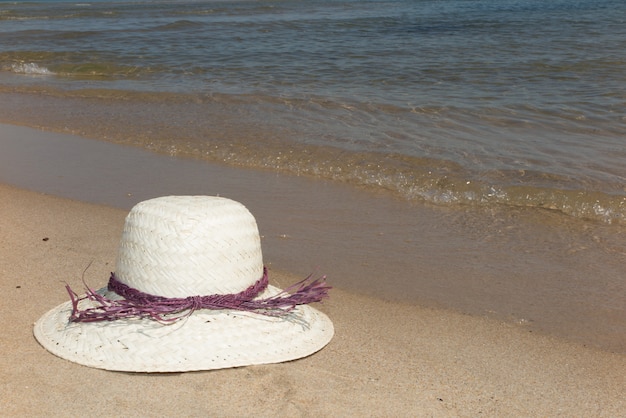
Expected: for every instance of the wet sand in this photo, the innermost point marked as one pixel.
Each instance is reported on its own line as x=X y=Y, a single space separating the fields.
x=537 y=270
x=386 y=359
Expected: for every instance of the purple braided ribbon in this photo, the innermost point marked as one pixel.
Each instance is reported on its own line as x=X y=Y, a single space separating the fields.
x=136 y=304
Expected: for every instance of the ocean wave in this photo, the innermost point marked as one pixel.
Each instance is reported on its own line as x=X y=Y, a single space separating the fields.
x=177 y=25
x=69 y=64
x=250 y=131
x=29 y=68
x=444 y=183
x=438 y=182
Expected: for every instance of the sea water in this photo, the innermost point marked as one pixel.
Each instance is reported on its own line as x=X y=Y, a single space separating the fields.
x=508 y=116
x=481 y=102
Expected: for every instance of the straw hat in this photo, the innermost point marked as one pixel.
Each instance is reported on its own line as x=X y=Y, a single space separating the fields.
x=179 y=248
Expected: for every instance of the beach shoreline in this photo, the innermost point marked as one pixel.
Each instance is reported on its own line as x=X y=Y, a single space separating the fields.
x=386 y=359
x=534 y=269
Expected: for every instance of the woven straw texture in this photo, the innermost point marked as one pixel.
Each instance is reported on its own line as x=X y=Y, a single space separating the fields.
x=179 y=246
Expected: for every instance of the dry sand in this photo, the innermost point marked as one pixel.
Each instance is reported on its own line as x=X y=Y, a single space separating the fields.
x=386 y=359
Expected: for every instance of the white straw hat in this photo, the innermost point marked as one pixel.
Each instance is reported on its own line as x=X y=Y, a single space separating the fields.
x=177 y=249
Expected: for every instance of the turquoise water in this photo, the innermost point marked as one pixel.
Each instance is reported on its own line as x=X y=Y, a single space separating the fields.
x=454 y=102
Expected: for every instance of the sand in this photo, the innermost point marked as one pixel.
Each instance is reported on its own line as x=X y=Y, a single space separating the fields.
x=532 y=268
x=386 y=359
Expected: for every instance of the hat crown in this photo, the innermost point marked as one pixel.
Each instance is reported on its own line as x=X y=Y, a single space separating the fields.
x=180 y=246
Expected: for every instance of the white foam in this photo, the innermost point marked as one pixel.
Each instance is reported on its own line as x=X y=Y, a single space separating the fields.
x=30 y=68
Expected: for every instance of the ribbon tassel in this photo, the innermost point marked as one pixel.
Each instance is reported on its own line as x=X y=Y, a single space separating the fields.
x=138 y=305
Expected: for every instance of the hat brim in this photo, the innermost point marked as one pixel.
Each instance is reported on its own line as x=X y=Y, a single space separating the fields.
x=205 y=340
